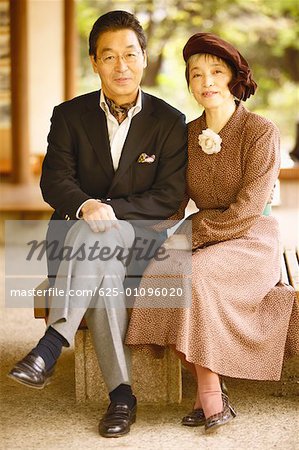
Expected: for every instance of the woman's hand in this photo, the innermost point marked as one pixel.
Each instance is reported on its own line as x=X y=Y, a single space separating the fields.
x=177 y=242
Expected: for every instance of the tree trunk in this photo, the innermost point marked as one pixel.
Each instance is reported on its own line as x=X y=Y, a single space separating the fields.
x=152 y=71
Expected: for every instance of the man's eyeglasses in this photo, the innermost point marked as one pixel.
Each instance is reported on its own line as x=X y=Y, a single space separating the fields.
x=110 y=60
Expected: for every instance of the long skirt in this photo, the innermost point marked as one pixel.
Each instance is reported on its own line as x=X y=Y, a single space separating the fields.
x=236 y=317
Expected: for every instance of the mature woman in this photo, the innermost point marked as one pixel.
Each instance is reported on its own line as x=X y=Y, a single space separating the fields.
x=238 y=320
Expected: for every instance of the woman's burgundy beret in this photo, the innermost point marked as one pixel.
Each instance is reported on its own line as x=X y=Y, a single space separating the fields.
x=242 y=85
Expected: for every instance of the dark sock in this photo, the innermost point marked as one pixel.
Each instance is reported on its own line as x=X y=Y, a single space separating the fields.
x=49 y=347
x=123 y=394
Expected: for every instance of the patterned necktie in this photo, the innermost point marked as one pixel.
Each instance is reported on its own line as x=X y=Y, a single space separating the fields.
x=120 y=112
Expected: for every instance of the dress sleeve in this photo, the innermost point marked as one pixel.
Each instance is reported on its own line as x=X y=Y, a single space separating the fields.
x=261 y=168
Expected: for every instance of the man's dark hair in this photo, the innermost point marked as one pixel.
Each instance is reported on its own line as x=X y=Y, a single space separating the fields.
x=113 y=21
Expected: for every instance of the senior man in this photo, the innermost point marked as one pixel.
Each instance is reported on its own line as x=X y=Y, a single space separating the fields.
x=114 y=156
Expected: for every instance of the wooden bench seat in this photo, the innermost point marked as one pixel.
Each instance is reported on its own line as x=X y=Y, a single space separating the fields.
x=154 y=380
x=290 y=268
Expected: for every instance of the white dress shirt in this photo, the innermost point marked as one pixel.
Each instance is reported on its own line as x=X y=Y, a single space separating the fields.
x=117 y=132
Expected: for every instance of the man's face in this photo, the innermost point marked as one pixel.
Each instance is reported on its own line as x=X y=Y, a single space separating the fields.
x=119 y=62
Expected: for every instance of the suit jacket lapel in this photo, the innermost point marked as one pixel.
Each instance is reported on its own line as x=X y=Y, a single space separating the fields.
x=95 y=125
x=134 y=146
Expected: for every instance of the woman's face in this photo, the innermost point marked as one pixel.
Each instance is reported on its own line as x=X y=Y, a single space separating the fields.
x=209 y=77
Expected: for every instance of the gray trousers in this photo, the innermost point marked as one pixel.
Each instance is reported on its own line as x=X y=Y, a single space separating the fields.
x=93 y=286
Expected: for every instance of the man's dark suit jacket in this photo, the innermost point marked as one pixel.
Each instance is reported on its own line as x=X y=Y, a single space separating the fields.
x=78 y=164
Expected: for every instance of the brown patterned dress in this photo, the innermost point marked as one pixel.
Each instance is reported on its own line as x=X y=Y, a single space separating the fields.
x=241 y=320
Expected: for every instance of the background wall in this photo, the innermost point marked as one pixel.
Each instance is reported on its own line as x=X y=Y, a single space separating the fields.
x=45 y=66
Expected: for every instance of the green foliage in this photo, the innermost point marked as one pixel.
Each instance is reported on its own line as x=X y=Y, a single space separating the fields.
x=266 y=32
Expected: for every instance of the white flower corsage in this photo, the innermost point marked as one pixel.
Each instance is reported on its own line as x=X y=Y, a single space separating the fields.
x=210 y=141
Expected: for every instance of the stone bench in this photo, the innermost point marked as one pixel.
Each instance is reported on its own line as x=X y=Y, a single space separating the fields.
x=154 y=380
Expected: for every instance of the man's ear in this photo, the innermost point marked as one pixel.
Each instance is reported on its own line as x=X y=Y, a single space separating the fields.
x=145 y=59
x=93 y=63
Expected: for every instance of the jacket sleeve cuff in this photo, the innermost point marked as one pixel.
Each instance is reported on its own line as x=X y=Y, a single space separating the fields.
x=78 y=212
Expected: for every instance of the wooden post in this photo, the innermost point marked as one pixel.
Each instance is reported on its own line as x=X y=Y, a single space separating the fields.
x=19 y=92
x=70 y=49
x=295 y=152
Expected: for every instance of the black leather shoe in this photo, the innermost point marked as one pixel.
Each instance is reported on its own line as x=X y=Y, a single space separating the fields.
x=196 y=418
x=217 y=420
x=117 y=420
x=31 y=372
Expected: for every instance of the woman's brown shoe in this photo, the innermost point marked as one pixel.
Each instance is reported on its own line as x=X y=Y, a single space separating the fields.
x=195 y=418
x=219 y=419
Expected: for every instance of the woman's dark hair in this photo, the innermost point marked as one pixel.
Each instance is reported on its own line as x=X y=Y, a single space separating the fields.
x=112 y=21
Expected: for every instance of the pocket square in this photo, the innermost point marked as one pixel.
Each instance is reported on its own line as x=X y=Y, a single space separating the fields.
x=144 y=158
